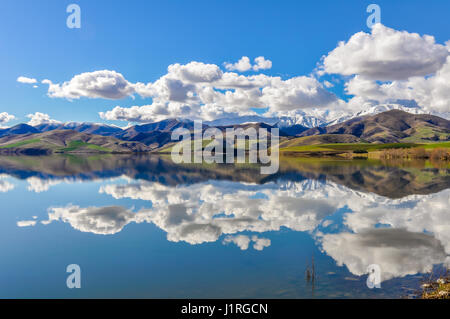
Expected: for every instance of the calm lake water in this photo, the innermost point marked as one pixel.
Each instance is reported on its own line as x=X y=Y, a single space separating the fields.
x=144 y=227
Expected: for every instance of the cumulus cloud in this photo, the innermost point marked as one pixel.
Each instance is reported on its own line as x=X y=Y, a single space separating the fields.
x=241 y=241
x=6 y=117
x=40 y=118
x=98 y=84
x=393 y=67
x=201 y=92
x=24 y=79
x=195 y=72
x=262 y=64
x=298 y=92
x=150 y=113
x=385 y=66
x=244 y=64
x=386 y=54
x=431 y=94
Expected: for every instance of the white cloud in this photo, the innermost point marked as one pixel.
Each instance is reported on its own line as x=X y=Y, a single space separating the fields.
x=201 y=92
x=297 y=93
x=26 y=223
x=244 y=64
x=431 y=93
x=24 y=79
x=6 y=117
x=385 y=66
x=40 y=118
x=195 y=72
x=262 y=64
x=241 y=241
x=150 y=113
x=386 y=54
x=98 y=84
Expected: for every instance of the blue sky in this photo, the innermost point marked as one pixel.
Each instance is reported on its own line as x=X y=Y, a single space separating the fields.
x=140 y=39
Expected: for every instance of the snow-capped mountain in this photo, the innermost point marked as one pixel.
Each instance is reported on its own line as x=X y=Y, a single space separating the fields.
x=242 y=120
x=378 y=109
x=321 y=117
x=284 y=121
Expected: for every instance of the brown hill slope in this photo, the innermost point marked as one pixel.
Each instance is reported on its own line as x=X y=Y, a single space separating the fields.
x=391 y=127
x=320 y=139
x=67 y=141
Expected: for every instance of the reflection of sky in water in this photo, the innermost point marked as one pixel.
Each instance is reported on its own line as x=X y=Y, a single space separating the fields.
x=214 y=239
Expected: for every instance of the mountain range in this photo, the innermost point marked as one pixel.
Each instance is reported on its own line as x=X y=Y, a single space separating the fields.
x=323 y=117
x=392 y=126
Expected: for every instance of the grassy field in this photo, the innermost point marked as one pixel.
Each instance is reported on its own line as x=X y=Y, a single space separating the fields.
x=351 y=147
x=74 y=145
x=423 y=133
x=206 y=142
x=22 y=143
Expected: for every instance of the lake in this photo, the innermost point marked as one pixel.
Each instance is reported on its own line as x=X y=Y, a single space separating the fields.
x=144 y=227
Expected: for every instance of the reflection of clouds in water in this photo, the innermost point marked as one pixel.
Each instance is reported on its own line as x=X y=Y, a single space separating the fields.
x=5 y=186
x=303 y=206
x=243 y=241
x=39 y=185
x=260 y=243
x=397 y=251
x=97 y=220
x=428 y=213
x=204 y=212
x=298 y=206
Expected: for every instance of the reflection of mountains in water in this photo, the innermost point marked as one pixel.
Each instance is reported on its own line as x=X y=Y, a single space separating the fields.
x=414 y=235
x=385 y=179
